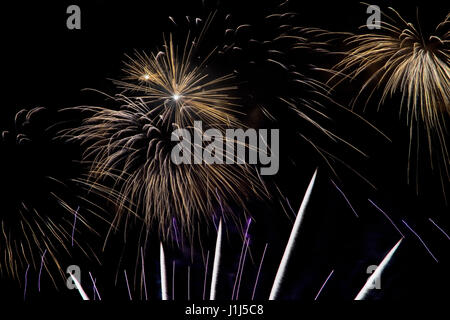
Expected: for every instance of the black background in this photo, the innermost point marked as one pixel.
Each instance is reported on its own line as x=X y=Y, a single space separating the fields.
x=45 y=64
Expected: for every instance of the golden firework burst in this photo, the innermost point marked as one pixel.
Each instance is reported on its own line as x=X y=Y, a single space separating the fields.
x=129 y=147
x=401 y=60
x=179 y=90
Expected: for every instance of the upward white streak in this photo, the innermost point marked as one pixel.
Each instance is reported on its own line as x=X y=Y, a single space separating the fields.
x=215 y=272
x=162 y=259
x=292 y=238
x=362 y=293
x=79 y=288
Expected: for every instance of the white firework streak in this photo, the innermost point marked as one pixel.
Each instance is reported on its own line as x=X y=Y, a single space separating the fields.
x=79 y=288
x=215 y=272
x=376 y=275
x=162 y=258
x=292 y=238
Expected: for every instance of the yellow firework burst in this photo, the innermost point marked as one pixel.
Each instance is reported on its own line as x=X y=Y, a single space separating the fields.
x=129 y=147
x=401 y=60
x=178 y=90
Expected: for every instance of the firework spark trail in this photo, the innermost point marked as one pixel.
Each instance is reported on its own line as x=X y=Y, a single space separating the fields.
x=40 y=270
x=290 y=207
x=74 y=222
x=94 y=294
x=321 y=288
x=26 y=283
x=79 y=288
x=420 y=239
x=143 y=275
x=343 y=194
x=238 y=270
x=216 y=265
x=173 y=280
x=189 y=283
x=247 y=242
x=442 y=230
x=220 y=203
x=162 y=259
x=215 y=224
x=174 y=223
x=249 y=221
x=377 y=273
x=95 y=287
x=128 y=285
x=259 y=271
x=292 y=239
x=385 y=214
x=206 y=275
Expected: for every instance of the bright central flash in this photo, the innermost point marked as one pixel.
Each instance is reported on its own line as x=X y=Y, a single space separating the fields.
x=176 y=97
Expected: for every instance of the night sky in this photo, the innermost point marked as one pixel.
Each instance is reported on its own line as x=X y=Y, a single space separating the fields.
x=46 y=65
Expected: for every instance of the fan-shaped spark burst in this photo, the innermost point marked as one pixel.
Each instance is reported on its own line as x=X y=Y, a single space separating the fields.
x=401 y=60
x=130 y=147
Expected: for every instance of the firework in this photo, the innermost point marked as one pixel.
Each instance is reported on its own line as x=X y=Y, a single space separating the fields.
x=377 y=273
x=178 y=90
x=206 y=275
x=128 y=285
x=278 y=61
x=216 y=264
x=420 y=239
x=129 y=147
x=163 y=272
x=324 y=284
x=402 y=61
x=95 y=290
x=259 y=271
x=439 y=228
x=143 y=281
x=292 y=239
x=37 y=221
x=79 y=288
x=387 y=217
